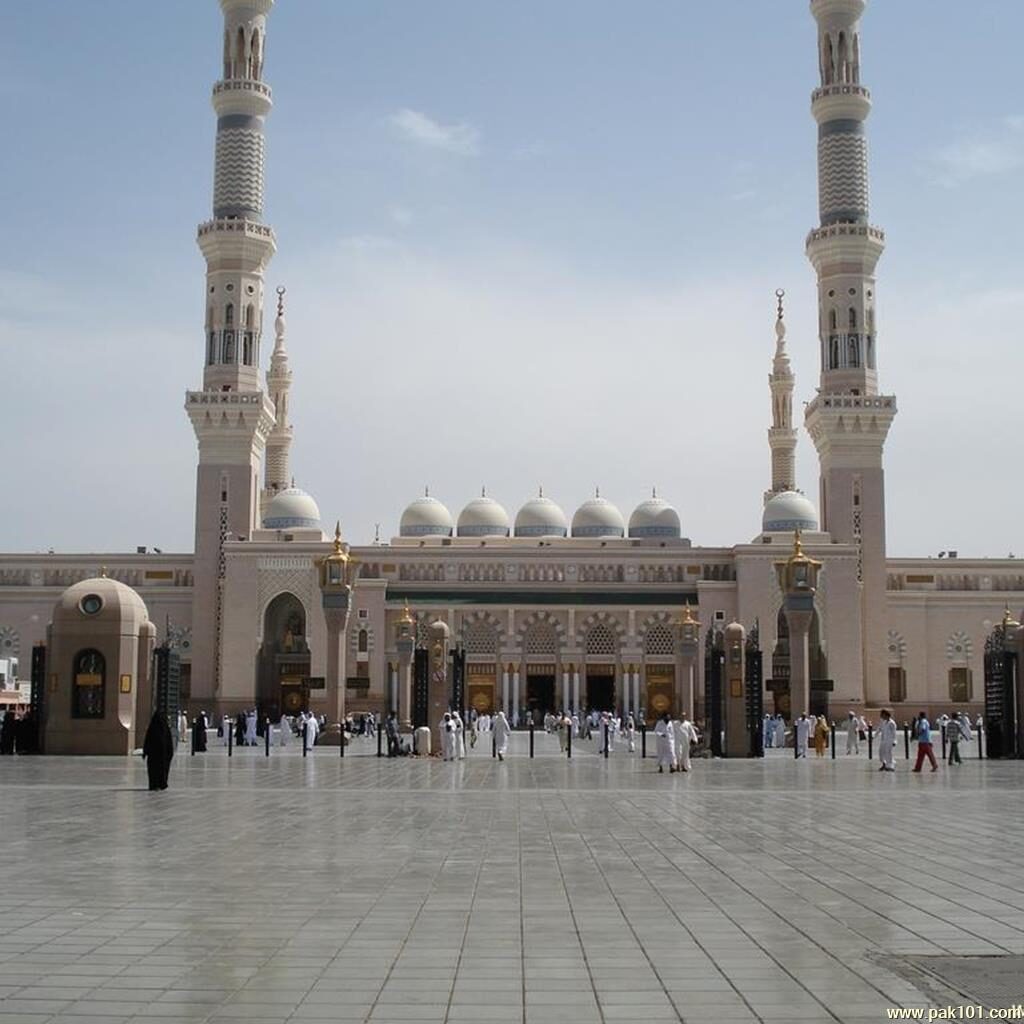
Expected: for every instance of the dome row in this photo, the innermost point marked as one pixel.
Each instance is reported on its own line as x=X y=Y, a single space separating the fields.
x=539 y=517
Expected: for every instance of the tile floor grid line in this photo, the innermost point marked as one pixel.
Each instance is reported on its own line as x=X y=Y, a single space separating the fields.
x=754 y=940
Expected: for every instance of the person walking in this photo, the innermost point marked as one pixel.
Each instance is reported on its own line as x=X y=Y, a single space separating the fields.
x=923 y=735
x=157 y=751
x=820 y=736
x=886 y=741
x=666 y=738
x=391 y=730
x=802 y=734
x=7 y=732
x=501 y=733
x=852 y=734
x=957 y=728
x=685 y=736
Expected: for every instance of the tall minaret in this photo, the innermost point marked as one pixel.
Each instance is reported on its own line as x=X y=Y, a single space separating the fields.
x=277 y=474
x=781 y=434
x=849 y=420
x=231 y=415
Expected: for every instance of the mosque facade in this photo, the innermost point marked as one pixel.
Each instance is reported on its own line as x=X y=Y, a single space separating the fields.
x=550 y=611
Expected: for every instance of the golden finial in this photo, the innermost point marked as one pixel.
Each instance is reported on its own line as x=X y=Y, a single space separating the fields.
x=780 y=294
x=688 y=619
x=337 y=537
x=280 y=299
x=798 y=548
x=103 y=576
x=407 y=614
x=1009 y=622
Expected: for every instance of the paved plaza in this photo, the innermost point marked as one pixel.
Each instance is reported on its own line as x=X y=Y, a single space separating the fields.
x=540 y=891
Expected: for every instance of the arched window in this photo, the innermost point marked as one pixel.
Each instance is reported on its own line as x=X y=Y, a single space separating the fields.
x=363 y=642
x=227 y=54
x=211 y=354
x=250 y=315
x=229 y=315
x=854 y=353
x=240 y=54
x=247 y=348
x=88 y=683
x=229 y=347
x=601 y=640
x=833 y=320
x=842 y=59
x=852 y=318
x=255 y=50
x=855 y=77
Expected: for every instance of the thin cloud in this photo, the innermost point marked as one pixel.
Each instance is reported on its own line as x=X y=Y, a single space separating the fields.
x=999 y=151
x=417 y=127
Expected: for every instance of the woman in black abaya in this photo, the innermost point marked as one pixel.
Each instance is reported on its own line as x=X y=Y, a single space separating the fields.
x=157 y=750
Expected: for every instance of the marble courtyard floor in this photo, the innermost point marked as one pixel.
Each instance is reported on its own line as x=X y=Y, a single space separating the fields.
x=544 y=891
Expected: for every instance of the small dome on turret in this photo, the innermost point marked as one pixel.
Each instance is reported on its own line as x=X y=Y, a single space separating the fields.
x=483 y=517
x=654 y=517
x=426 y=517
x=788 y=511
x=598 y=517
x=291 y=509
x=540 y=517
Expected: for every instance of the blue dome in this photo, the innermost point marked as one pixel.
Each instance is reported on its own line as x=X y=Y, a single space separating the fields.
x=292 y=509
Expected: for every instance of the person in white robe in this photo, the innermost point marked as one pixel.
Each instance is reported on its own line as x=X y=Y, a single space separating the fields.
x=460 y=736
x=852 y=734
x=515 y=718
x=631 y=732
x=251 y=739
x=446 y=728
x=666 y=738
x=804 y=725
x=182 y=726
x=501 y=734
x=780 y=731
x=685 y=735
x=767 y=731
x=226 y=727
x=285 y=730
x=887 y=741
x=575 y=725
x=312 y=731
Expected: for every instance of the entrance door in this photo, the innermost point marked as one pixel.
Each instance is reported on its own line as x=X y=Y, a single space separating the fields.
x=540 y=696
x=600 y=691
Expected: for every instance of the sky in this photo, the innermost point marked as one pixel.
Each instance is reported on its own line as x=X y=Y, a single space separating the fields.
x=530 y=244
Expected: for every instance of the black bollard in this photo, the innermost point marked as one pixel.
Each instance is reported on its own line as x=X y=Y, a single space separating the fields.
x=943 y=743
x=193 y=739
x=380 y=752
x=832 y=730
x=266 y=737
x=341 y=736
x=979 y=744
x=531 y=736
x=606 y=742
x=568 y=740
x=906 y=740
x=305 y=729
x=494 y=742
x=871 y=740
x=643 y=739
x=231 y=736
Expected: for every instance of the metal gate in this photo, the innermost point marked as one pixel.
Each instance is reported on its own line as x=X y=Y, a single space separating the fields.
x=37 y=701
x=421 y=688
x=167 y=685
x=755 y=693
x=1002 y=713
x=714 y=665
x=459 y=680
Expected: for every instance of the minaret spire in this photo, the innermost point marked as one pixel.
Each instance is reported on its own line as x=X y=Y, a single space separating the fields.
x=781 y=434
x=231 y=416
x=279 y=383
x=848 y=419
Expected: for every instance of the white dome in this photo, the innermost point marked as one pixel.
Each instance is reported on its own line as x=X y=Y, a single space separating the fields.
x=291 y=509
x=426 y=517
x=598 y=517
x=654 y=517
x=789 y=511
x=541 y=517
x=483 y=517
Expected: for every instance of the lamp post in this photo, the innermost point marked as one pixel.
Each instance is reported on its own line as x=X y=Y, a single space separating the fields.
x=337 y=575
x=798 y=577
x=689 y=645
x=405 y=643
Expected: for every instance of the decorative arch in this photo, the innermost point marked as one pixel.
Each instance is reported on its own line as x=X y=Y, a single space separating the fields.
x=240 y=53
x=896 y=647
x=959 y=647
x=256 y=65
x=542 y=618
x=274 y=607
x=481 y=634
x=600 y=618
x=658 y=634
x=362 y=638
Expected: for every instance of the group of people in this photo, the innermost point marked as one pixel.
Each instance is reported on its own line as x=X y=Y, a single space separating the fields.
x=19 y=735
x=675 y=737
